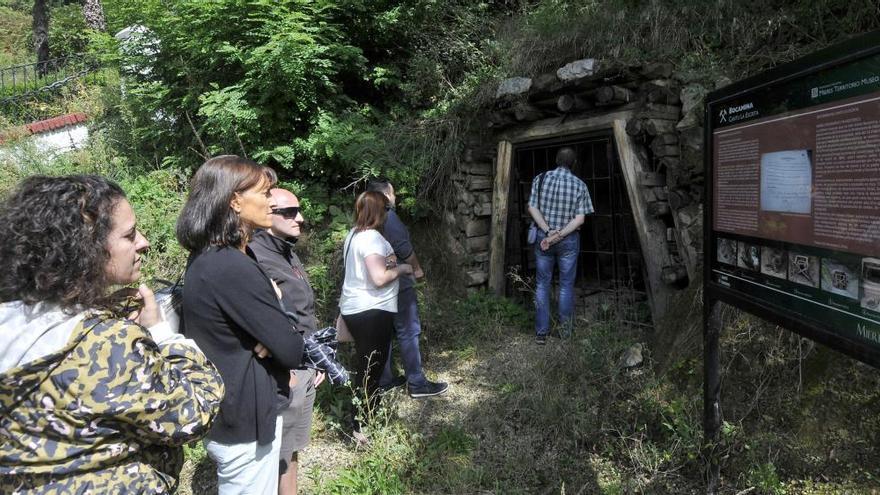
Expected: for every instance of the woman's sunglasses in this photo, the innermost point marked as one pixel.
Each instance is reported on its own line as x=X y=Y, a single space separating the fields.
x=289 y=212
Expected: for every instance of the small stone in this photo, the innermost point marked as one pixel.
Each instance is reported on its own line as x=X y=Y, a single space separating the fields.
x=689 y=121
x=632 y=357
x=722 y=82
x=477 y=227
x=692 y=96
x=478 y=244
x=513 y=86
x=690 y=214
x=577 y=69
x=477 y=278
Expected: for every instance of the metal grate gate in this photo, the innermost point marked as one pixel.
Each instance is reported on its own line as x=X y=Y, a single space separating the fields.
x=610 y=283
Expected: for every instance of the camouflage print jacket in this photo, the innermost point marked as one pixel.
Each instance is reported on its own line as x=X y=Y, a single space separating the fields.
x=107 y=412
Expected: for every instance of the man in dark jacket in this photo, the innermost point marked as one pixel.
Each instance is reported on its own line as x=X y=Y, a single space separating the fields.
x=274 y=251
x=406 y=321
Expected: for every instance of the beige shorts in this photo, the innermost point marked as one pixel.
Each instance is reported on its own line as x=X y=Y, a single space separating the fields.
x=297 y=417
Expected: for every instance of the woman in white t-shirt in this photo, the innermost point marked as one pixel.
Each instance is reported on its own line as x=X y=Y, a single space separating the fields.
x=369 y=292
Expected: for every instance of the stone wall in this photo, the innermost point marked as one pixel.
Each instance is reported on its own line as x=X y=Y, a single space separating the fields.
x=471 y=218
x=666 y=125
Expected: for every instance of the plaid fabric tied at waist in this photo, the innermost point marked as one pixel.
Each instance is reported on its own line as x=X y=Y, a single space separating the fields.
x=319 y=353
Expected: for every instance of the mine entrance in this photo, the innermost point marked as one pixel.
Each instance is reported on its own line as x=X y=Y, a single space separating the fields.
x=610 y=283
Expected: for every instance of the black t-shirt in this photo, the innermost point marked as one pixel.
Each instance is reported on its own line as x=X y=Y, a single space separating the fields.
x=229 y=305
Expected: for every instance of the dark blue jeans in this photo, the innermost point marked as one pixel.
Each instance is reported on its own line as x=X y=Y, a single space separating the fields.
x=564 y=252
x=408 y=328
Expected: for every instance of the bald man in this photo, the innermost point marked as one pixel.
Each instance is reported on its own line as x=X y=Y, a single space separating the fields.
x=274 y=251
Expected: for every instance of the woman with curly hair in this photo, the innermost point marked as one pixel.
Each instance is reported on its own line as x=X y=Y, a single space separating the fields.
x=232 y=310
x=91 y=400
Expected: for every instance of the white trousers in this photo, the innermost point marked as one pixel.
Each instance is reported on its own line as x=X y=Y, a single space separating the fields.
x=247 y=468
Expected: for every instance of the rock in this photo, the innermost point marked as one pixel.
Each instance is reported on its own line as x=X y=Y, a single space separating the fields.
x=478 y=154
x=678 y=199
x=483 y=209
x=663 y=91
x=659 y=126
x=688 y=76
x=690 y=214
x=723 y=81
x=477 y=168
x=479 y=183
x=477 y=244
x=692 y=137
x=658 y=111
x=545 y=84
x=658 y=209
x=692 y=96
x=689 y=121
x=635 y=126
x=477 y=227
x=673 y=274
x=577 y=70
x=513 y=86
x=632 y=357
x=477 y=277
x=480 y=258
x=664 y=139
x=664 y=150
x=661 y=193
x=651 y=179
x=657 y=70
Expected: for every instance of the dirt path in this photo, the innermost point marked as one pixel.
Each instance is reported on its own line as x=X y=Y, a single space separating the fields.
x=475 y=383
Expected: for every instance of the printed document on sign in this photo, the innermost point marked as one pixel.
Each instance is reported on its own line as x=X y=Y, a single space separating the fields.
x=786 y=181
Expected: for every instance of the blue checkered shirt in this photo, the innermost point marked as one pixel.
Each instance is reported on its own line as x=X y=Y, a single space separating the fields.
x=563 y=196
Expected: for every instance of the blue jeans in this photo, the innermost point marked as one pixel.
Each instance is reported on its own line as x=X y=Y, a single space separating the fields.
x=408 y=328
x=565 y=252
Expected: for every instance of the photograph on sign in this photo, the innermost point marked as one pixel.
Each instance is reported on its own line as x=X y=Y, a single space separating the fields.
x=749 y=256
x=726 y=251
x=786 y=181
x=840 y=278
x=803 y=269
x=774 y=262
x=871 y=283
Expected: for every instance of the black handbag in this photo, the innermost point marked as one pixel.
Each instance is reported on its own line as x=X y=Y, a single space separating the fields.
x=532 y=235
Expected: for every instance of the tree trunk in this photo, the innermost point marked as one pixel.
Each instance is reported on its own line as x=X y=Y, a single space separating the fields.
x=528 y=113
x=613 y=95
x=93 y=12
x=41 y=36
x=570 y=103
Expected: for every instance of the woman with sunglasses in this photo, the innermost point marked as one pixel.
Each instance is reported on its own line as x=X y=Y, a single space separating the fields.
x=232 y=311
x=92 y=399
x=369 y=291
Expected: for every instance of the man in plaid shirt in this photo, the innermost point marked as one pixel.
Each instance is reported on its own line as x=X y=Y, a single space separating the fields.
x=558 y=204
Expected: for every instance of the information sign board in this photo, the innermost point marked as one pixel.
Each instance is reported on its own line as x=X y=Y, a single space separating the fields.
x=793 y=196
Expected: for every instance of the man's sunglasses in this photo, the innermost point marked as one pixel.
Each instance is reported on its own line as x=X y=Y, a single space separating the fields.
x=289 y=212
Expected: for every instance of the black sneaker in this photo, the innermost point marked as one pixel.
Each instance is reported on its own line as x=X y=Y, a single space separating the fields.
x=429 y=389
x=540 y=339
x=397 y=381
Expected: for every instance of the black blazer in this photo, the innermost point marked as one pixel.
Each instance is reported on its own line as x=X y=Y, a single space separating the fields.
x=229 y=305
